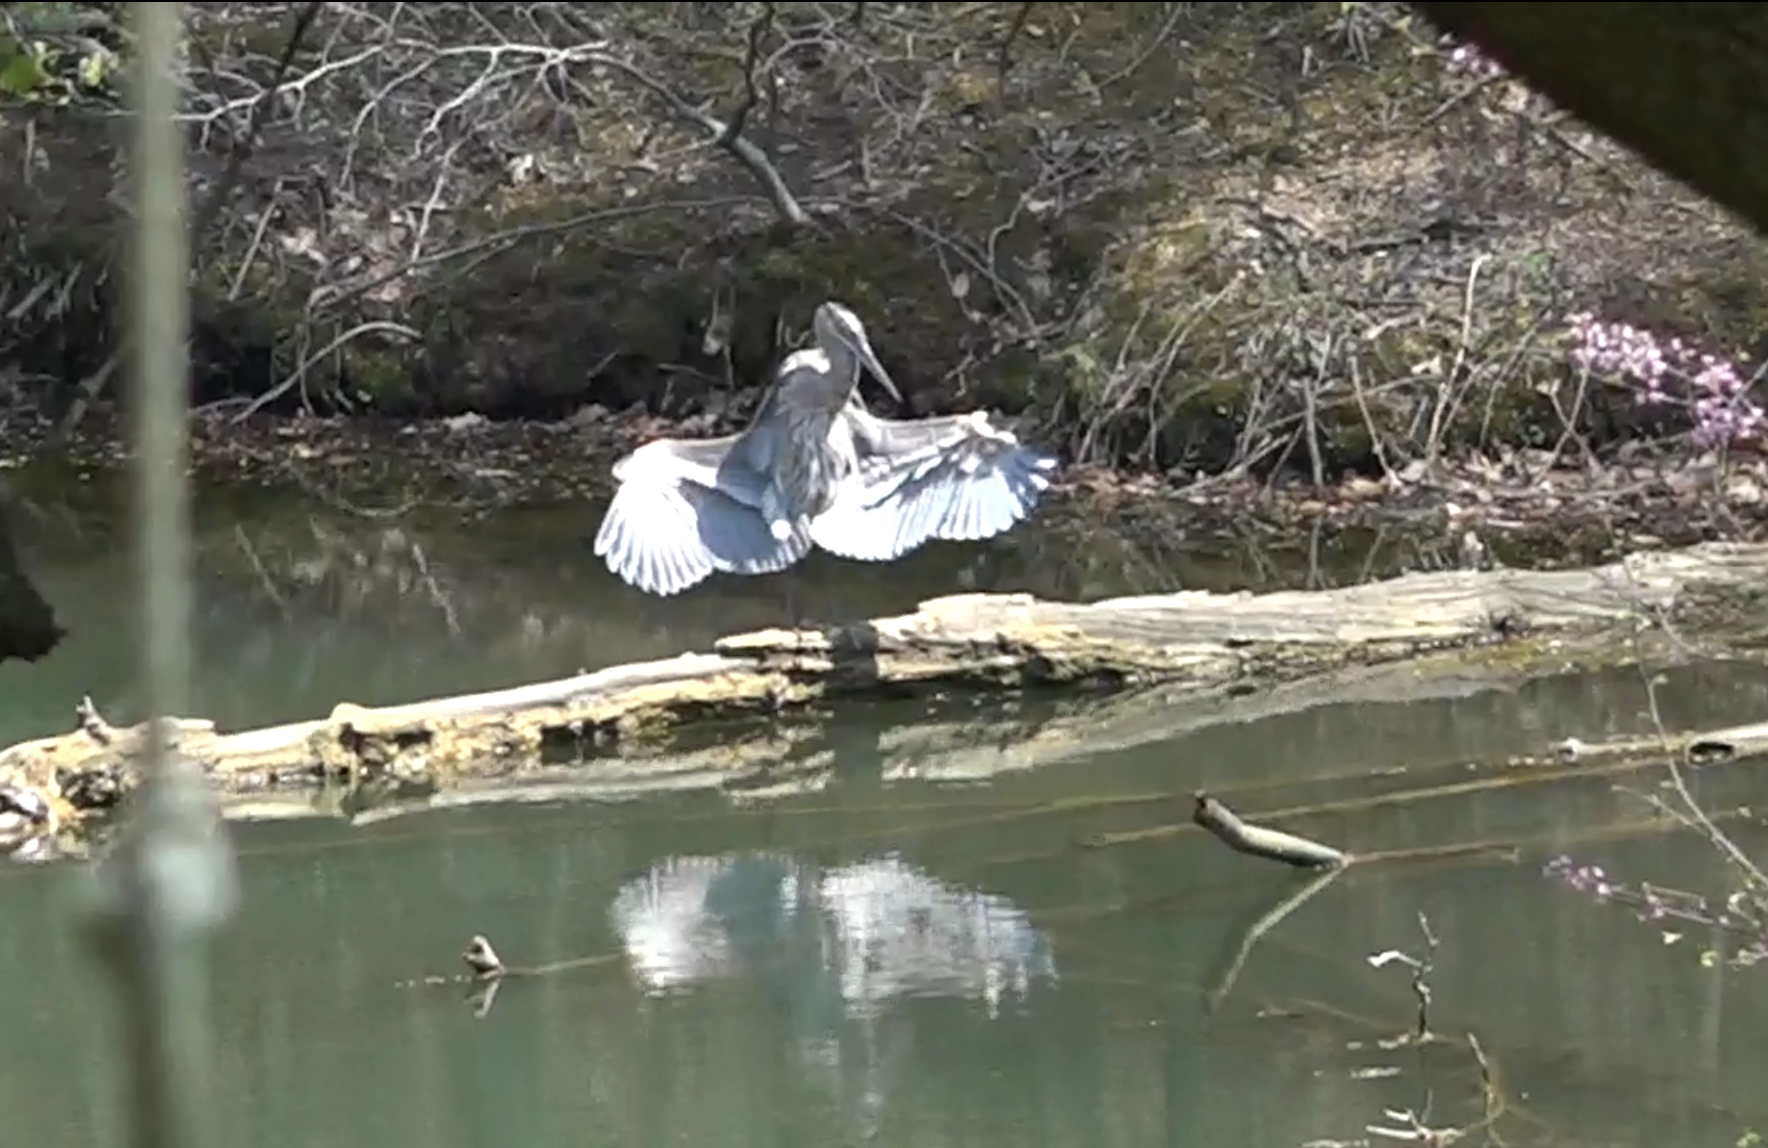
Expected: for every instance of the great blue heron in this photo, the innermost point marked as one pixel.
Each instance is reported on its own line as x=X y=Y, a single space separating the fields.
x=814 y=468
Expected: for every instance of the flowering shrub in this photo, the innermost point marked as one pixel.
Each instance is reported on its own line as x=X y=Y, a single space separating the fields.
x=1663 y=371
x=1739 y=914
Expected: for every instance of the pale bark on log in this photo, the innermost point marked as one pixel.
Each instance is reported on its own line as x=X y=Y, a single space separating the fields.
x=1175 y=662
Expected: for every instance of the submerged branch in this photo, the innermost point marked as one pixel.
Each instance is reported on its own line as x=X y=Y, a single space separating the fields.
x=1257 y=841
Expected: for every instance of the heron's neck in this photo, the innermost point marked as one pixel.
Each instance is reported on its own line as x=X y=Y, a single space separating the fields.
x=844 y=371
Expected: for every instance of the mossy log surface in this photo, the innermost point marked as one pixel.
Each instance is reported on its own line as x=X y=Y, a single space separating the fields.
x=1135 y=670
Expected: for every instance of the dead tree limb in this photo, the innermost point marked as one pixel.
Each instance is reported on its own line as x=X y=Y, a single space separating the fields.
x=727 y=134
x=1257 y=841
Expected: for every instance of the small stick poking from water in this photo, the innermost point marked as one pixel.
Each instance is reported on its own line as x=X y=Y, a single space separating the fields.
x=482 y=959
x=1421 y=970
x=1257 y=841
x=92 y=723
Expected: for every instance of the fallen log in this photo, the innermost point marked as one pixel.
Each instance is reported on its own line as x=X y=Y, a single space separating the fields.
x=1145 y=666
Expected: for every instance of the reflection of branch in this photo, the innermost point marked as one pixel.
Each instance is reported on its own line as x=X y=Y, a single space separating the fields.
x=251 y=553
x=437 y=597
x=1254 y=932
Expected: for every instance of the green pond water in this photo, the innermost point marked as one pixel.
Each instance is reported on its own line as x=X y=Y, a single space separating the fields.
x=889 y=958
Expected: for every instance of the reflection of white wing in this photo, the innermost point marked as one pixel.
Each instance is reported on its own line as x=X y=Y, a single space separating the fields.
x=688 y=919
x=662 y=921
x=902 y=933
x=955 y=478
x=887 y=930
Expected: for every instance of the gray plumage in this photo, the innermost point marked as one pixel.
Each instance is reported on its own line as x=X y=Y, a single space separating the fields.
x=814 y=468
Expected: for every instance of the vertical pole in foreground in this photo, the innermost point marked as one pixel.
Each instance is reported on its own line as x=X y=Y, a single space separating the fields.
x=168 y=880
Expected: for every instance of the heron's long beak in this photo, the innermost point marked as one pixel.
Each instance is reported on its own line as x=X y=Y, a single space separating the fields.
x=878 y=372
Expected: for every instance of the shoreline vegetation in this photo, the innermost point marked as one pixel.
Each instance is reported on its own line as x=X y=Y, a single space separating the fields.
x=1557 y=501
x=1285 y=242
x=1304 y=264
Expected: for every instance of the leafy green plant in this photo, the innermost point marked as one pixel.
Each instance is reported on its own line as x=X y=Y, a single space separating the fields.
x=49 y=56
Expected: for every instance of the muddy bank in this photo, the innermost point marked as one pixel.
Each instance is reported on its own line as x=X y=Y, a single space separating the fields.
x=1531 y=507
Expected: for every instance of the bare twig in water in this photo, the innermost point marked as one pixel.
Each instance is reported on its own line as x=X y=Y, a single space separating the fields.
x=482 y=959
x=92 y=723
x=1421 y=970
x=1257 y=841
x=1407 y=1125
x=1488 y=1082
x=486 y=972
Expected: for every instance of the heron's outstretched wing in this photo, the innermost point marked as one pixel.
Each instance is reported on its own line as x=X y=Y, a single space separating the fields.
x=954 y=478
x=674 y=520
x=650 y=539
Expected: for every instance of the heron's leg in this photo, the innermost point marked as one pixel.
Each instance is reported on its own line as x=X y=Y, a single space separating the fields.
x=797 y=605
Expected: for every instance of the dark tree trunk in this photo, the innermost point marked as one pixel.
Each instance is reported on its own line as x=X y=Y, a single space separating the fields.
x=27 y=623
x=1685 y=85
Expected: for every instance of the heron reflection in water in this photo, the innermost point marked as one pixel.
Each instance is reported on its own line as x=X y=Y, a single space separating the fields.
x=815 y=469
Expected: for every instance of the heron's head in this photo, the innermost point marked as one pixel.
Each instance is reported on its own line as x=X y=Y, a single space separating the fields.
x=842 y=336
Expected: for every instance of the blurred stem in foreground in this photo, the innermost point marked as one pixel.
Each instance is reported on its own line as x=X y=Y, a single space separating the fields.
x=169 y=879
